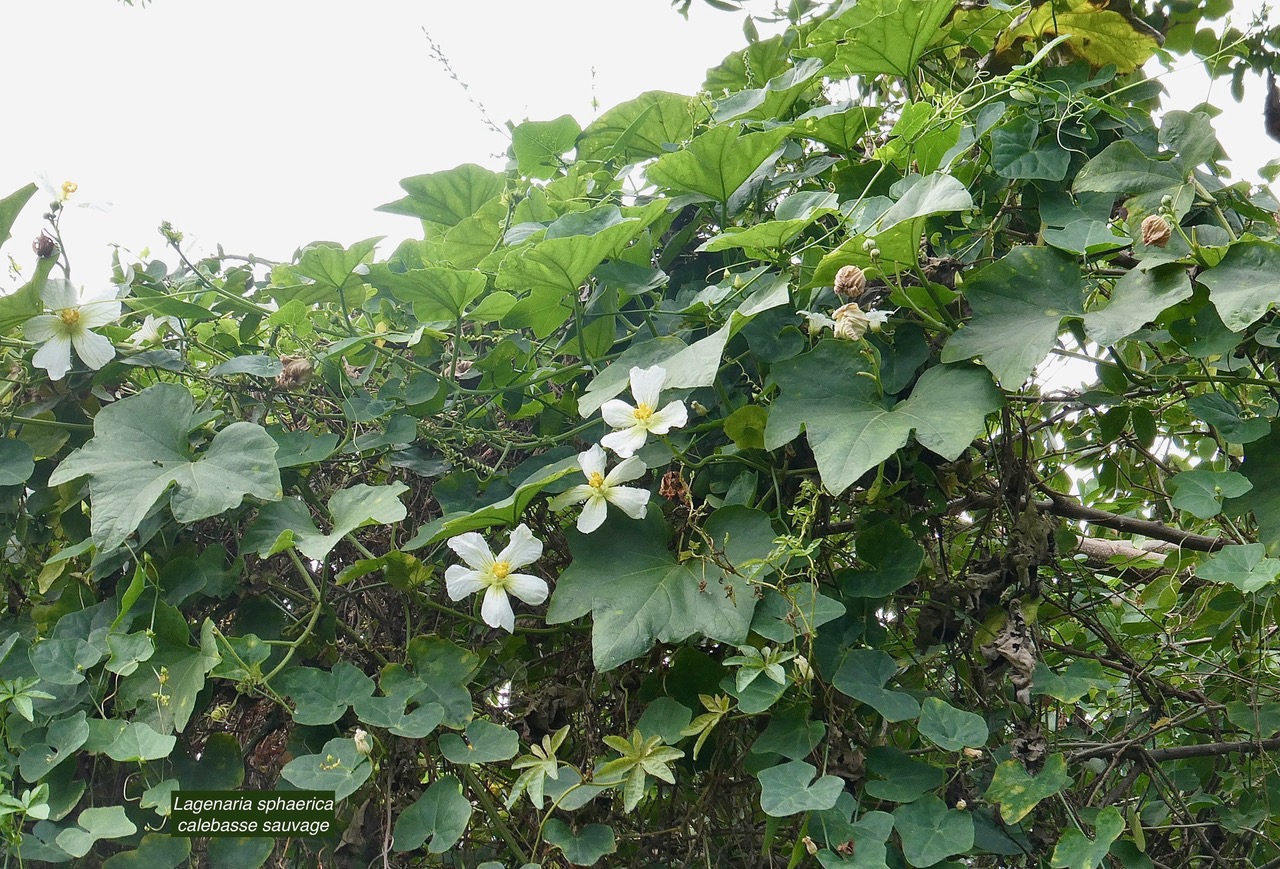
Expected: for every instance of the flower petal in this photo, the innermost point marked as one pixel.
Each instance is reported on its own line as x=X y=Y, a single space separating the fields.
x=530 y=589
x=93 y=349
x=54 y=357
x=618 y=414
x=59 y=293
x=522 y=549
x=625 y=441
x=646 y=384
x=461 y=582
x=496 y=610
x=42 y=328
x=592 y=515
x=567 y=499
x=99 y=313
x=634 y=502
x=592 y=461
x=674 y=415
x=472 y=549
x=626 y=471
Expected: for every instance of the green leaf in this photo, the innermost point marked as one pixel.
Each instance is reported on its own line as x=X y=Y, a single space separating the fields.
x=1018 y=305
x=931 y=832
x=789 y=789
x=139 y=742
x=878 y=36
x=1259 y=719
x=1138 y=298
x=665 y=717
x=186 y=668
x=641 y=128
x=1200 y=493
x=486 y=742
x=1075 y=850
x=441 y=672
x=949 y=728
x=791 y=734
x=391 y=713
x=1218 y=411
x=1243 y=286
x=1015 y=154
x=92 y=825
x=921 y=197
x=868 y=836
x=1246 y=567
x=894 y=558
x=61 y=740
x=773 y=101
x=1122 y=168
x=447 y=197
x=1081 y=678
x=339 y=767
x=716 y=163
x=862 y=676
x=296 y=448
x=441 y=814
x=1082 y=226
x=538 y=145
x=1100 y=35
x=1190 y=136
x=1262 y=468
x=637 y=593
x=829 y=393
x=139 y=450
x=11 y=206
x=841 y=126
x=155 y=851
x=583 y=849
x=1018 y=792
x=437 y=294
x=745 y=427
x=902 y=778
x=234 y=852
x=322 y=697
x=258 y=366
x=288 y=522
x=17 y=462
x=799 y=610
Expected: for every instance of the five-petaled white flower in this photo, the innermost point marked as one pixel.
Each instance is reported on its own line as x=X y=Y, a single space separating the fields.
x=633 y=424
x=60 y=194
x=602 y=489
x=494 y=574
x=68 y=326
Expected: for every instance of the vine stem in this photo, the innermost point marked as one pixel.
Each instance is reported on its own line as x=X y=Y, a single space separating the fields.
x=491 y=809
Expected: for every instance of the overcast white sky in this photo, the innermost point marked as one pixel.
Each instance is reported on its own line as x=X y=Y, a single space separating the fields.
x=266 y=124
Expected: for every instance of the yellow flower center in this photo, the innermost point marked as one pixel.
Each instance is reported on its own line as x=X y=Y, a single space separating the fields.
x=596 y=480
x=69 y=187
x=69 y=316
x=643 y=412
x=501 y=569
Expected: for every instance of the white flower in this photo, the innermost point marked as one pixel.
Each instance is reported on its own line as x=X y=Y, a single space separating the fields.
x=815 y=322
x=484 y=571
x=634 y=424
x=153 y=329
x=60 y=194
x=68 y=326
x=361 y=739
x=601 y=489
x=878 y=319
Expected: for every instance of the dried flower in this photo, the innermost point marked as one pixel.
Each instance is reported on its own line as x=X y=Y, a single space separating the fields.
x=294 y=371
x=1156 y=231
x=45 y=246
x=850 y=283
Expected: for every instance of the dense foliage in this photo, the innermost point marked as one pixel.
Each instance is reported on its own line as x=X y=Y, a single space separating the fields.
x=879 y=450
